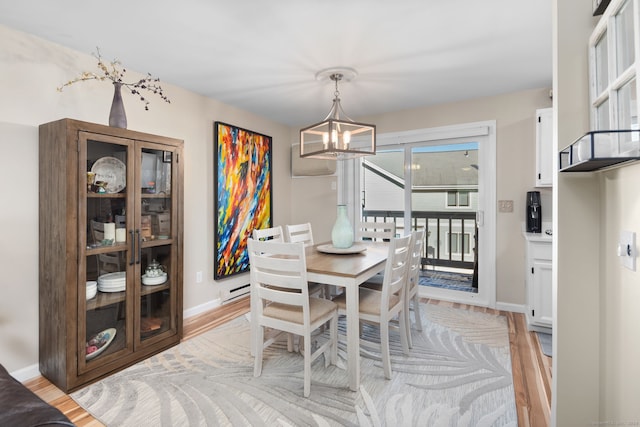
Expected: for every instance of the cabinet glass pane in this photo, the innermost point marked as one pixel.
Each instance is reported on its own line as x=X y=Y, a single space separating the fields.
x=624 y=38
x=601 y=66
x=157 y=260
x=602 y=116
x=106 y=249
x=156 y=291
x=628 y=117
x=627 y=106
x=155 y=179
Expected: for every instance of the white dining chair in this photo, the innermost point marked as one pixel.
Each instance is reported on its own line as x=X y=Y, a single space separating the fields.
x=376 y=231
x=382 y=307
x=412 y=298
x=295 y=233
x=299 y=233
x=279 y=283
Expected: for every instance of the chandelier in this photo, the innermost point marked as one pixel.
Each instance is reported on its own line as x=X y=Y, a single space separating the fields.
x=337 y=137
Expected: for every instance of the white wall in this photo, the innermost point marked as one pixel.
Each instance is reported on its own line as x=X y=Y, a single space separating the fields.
x=576 y=337
x=596 y=317
x=31 y=70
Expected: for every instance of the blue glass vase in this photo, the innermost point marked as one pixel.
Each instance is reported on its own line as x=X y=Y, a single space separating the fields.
x=342 y=232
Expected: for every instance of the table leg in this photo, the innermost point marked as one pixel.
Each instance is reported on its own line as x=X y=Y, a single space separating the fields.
x=353 y=337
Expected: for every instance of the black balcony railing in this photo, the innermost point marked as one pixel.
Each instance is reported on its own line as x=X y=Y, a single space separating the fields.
x=451 y=237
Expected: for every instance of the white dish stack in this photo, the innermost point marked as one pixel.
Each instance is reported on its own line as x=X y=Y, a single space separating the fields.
x=112 y=282
x=154 y=280
x=92 y=289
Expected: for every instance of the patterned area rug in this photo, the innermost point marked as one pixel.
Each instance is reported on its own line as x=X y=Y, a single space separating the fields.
x=447 y=280
x=458 y=374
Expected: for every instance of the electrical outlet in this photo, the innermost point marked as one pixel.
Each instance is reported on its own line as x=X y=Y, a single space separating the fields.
x=505 y=205
x=199 y=277
x=627 y=249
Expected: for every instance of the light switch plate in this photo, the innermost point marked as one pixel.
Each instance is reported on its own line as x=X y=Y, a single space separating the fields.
x=505 y=205
x=627 y=249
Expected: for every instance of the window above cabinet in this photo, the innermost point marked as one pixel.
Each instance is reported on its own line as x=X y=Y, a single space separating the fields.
x=613 y=70
x=613 y=92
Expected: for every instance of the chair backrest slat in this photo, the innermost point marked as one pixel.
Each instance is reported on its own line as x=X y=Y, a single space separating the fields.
x=396 y=268
x=367 y=230
x=300 y=233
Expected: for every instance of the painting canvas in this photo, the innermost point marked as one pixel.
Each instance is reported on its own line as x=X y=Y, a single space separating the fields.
x=243 y=174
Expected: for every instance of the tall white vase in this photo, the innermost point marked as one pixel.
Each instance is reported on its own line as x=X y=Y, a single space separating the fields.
x=342 y=232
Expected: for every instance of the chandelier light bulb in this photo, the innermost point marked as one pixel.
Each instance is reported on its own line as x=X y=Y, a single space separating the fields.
x=334 y=137
x=346 y=137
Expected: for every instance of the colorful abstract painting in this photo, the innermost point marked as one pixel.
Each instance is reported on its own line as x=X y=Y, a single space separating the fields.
x=242 y=196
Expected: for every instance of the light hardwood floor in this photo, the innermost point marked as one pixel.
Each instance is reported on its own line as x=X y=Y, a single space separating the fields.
x=531 y=369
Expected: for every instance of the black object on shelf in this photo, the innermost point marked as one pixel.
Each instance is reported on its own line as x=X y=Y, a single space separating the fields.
x=600 y=149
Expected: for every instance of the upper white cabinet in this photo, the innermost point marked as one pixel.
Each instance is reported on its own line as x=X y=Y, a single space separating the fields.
x=613 y=74
x=544 y=147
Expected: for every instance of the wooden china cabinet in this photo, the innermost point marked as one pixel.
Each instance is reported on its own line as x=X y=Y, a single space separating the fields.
x=118 y=237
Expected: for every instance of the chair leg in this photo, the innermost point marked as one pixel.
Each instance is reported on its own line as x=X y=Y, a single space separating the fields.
x=384 y=349
x=334 y=339
x=404 y=331
x=331 y=354
x=307 y=366
x=416 y=312
x=407 y=321
x=259 y=347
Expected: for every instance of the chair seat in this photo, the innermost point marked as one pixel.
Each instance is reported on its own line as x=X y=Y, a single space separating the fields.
x=369 y=301
x=318 y=308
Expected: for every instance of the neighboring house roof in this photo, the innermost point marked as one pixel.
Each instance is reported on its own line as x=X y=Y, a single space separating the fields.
x=446 y=170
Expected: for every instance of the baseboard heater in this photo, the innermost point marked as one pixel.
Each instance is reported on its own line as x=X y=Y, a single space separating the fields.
x=236 y=293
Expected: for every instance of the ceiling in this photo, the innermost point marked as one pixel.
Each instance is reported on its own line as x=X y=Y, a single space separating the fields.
x=262 y=56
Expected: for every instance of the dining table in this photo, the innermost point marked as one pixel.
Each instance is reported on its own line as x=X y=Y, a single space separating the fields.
x=348 y=269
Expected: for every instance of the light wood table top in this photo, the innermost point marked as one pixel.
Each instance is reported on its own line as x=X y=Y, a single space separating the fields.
x=347 y=265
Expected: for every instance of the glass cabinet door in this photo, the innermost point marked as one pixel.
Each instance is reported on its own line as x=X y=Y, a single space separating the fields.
x=106 y=240
x=156 y=260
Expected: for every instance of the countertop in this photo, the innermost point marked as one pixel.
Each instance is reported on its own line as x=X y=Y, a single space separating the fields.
x=538 y=237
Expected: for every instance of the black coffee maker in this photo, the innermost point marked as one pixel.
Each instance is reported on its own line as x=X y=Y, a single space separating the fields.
x=534 y=212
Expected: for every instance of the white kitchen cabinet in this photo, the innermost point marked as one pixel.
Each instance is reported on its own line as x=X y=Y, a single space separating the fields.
x=538 y=282
x=544 y=147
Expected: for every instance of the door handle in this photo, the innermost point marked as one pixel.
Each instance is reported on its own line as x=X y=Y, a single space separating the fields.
x=139 y=246
x=480 y=218
x=133 y=249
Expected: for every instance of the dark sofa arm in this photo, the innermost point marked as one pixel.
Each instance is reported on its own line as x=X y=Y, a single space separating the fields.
x=20 y=407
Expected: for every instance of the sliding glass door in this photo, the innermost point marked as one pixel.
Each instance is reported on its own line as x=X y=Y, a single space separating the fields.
x=443 y=182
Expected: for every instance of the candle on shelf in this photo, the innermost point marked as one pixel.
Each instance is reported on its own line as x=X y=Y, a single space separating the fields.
x=121 y=235
x=110 y=231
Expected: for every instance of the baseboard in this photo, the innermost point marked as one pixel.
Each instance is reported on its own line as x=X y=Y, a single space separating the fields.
x=27 y=373
x=202 y=308
x=506 y=306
